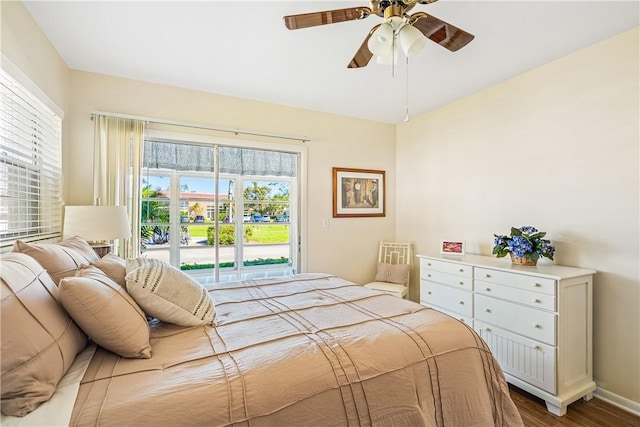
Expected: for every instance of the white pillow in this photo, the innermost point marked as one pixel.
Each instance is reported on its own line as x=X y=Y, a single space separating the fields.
x=168 y=294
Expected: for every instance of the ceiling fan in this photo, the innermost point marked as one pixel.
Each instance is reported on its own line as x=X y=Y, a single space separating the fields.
x=411 y=31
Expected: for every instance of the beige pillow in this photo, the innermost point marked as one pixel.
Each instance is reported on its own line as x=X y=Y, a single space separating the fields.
x=113 y=266
x=169 y=294
x=39 y=340
x=393 y=273
x=59 y=259
x=106 y=313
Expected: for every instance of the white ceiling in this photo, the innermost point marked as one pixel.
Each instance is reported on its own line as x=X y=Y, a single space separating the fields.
x=242 y=48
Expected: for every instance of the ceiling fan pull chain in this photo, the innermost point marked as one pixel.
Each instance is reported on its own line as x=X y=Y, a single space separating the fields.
x=406 y=105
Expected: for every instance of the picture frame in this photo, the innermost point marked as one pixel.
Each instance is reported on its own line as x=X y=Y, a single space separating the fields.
x=358 y=193
x=452 y=247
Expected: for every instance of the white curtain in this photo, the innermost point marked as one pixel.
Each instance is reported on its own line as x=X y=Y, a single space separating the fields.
x=116 y=165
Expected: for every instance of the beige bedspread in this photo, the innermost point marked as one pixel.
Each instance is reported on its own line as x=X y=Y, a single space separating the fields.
x=311 y=350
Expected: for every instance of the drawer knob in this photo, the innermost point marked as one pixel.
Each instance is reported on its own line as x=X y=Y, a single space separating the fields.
x=487 y=275
x=461 y=302
x=488 y=329
x=429 y=275
x=537 y=326
x=429 y=264
x=429 y=292
x=461 y=283
x=488 y=310
x=537 y=300
x=537 y=347
x=488 y=289
x=461 y=270
x=537 y=285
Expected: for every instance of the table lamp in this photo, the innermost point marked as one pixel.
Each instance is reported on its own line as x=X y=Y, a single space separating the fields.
x=98 y=225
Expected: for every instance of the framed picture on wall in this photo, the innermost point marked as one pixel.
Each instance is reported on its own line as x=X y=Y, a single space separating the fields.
x=358 y=193
x=451 y=247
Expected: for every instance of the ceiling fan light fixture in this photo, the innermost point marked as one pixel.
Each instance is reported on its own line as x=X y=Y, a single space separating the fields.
x=381 y=40
x=396 y=21
x=411 y=39
x=391 y=58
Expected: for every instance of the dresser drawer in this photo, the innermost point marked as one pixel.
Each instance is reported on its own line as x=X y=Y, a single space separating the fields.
x=468 y=320
x=459 y=282
x=451 y=299
x=522 y=281
x=536 y=324
x=446 y=267
x=529 y=360
x=530 y=298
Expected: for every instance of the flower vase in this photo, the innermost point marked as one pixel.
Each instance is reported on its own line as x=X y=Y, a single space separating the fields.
x=522 y=261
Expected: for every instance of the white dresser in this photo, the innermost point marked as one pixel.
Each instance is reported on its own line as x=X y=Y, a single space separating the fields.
x=535 y=320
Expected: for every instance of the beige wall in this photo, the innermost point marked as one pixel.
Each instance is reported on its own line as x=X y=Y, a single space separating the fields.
x=573 y=123
x=556 y=148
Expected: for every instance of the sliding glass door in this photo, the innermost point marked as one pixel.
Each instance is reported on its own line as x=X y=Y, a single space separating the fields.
x=266 y=221
x=219 y=213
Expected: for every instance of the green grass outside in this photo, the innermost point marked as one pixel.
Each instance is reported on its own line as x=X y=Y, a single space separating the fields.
x=270 y=233
x=261 y=233
x=199 y=230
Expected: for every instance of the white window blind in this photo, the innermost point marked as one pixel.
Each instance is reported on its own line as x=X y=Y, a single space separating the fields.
x=30 y=165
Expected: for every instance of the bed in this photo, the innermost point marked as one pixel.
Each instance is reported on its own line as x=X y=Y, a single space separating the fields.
x=305 y=350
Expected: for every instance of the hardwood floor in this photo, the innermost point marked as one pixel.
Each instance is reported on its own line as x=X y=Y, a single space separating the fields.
x=593 y=413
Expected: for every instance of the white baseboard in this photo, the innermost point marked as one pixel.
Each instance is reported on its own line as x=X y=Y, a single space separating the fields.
x=619 y=401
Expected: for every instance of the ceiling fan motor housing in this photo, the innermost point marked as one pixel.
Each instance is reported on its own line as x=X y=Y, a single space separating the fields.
x=389 y=8
x=393 y=11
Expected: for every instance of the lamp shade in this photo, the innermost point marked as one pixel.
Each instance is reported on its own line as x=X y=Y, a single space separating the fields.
x=411 y=39
x=381 y=41
x=391 y=58
x=96 y=223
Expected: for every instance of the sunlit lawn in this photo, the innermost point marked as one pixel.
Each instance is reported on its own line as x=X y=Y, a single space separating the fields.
x=198 y=230
x=262 y=233
x=270 y=233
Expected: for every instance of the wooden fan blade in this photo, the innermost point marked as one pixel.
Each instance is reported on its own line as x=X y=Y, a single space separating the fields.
x=363 y=55
x=305 y=20
x=443 y=33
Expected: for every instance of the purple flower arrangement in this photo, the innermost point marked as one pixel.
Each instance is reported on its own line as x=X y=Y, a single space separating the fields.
x=524 y=242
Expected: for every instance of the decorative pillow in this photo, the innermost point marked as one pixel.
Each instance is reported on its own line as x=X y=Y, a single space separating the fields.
x=39 y=340
x=114 y=267
x=59 y=259
x=106 y=313
x=393 y=273
x=169 y=294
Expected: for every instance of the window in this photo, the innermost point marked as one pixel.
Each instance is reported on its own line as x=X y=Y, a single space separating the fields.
x=220 y=212
x=30 y=165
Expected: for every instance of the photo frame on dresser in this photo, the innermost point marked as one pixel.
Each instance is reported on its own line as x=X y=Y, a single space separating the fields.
x=358 y=193
x=452 y=247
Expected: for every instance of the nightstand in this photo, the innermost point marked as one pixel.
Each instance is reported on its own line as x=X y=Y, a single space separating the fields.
x=102 y=248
